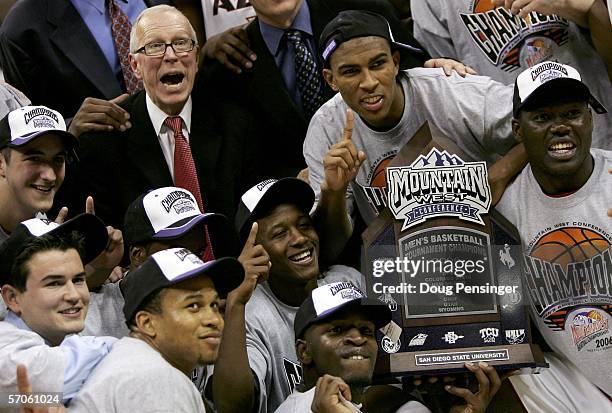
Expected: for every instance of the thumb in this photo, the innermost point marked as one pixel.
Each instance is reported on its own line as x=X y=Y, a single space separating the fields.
x=120 y=98
x=61 y=216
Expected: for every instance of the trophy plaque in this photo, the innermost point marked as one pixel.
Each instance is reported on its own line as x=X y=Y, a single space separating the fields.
x=448 y=265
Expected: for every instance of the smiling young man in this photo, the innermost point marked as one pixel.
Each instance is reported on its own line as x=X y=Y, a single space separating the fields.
x=34 y=146
x=559 y=203
x=361 y=61
x=258 y=368
x=335 y=340
x=172 y=307
x=44 y=286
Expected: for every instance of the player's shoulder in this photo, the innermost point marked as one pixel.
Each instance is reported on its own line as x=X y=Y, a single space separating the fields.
x=437 y=75
x=603 y=154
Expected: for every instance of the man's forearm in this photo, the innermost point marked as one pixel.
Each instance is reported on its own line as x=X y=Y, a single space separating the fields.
x=601 y=33
x=332 y=223
x=233 y=383
x=502 y=171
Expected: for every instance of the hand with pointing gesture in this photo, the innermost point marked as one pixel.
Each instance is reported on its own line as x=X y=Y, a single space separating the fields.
x=343 y=160
x=256 y=263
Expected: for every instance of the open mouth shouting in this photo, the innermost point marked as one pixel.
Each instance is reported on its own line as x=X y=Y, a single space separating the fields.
x=303 y=258
x=172 y=80
x=562 y=149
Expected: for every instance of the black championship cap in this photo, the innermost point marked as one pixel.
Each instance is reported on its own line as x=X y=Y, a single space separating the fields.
x=350 y=24
x=27 y=123
x=168 y=267
x=169 y=213
x=268 y=194
x=89 y=226
x=331 y=299
x=545 y=82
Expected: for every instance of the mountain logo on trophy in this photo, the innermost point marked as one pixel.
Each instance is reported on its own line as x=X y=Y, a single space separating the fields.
x=436 y=185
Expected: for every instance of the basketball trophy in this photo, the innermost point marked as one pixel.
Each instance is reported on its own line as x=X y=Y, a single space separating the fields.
x=448 y=265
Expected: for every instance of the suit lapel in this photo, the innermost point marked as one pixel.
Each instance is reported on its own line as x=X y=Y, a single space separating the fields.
x=74 y=39
x=205 y=144
x=143 y=150
x=268 y=85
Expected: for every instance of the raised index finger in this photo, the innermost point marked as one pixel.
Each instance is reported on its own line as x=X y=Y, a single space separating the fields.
x=89 y=206
x=252 y=235
x=348 y=126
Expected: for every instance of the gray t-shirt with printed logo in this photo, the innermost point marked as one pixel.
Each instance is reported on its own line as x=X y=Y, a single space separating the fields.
x=474 y=111
x=500 y=45
x=568 y=265
x=270 y=339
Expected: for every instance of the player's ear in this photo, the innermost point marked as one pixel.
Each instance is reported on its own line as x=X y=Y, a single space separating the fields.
x=396 y=61
x=11 y=295
x=329 y=78
x=516 y=129
x=138 y=255
x=303 y=352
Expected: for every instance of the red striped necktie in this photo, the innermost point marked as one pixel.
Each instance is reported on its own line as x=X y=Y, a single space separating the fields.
x=120 y=30
x=185 y=175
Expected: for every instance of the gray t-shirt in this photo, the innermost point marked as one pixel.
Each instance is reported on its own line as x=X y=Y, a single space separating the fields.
x=136 y=378
x=10 y=99
x=270 y=339
x=568 y=265
x=105 y=313
x=473 y=111
x=300 y=403
x=500 y=45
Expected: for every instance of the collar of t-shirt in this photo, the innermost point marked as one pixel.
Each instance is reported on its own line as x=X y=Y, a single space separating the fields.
x=164 y=133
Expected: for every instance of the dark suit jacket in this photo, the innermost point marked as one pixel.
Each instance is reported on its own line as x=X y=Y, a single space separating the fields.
x=116 y=167
x=281 y=125
x=47 y=52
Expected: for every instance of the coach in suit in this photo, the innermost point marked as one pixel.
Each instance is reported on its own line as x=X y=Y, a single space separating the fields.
x=49 y=53
x=206 y=153
x=281 y=118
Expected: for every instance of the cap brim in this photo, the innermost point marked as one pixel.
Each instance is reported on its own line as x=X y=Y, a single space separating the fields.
x=284 y=191
x=226 y=273
x=376 y=311
x=180 y=228
x=566 y=88
x=223 y=236
x=70 y=140
x=89 y=226
x=93 y=230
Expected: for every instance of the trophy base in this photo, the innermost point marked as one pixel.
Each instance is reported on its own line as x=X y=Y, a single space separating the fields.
x=448 y=361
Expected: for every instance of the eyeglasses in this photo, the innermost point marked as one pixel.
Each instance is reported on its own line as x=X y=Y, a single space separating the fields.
x=157 y=49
